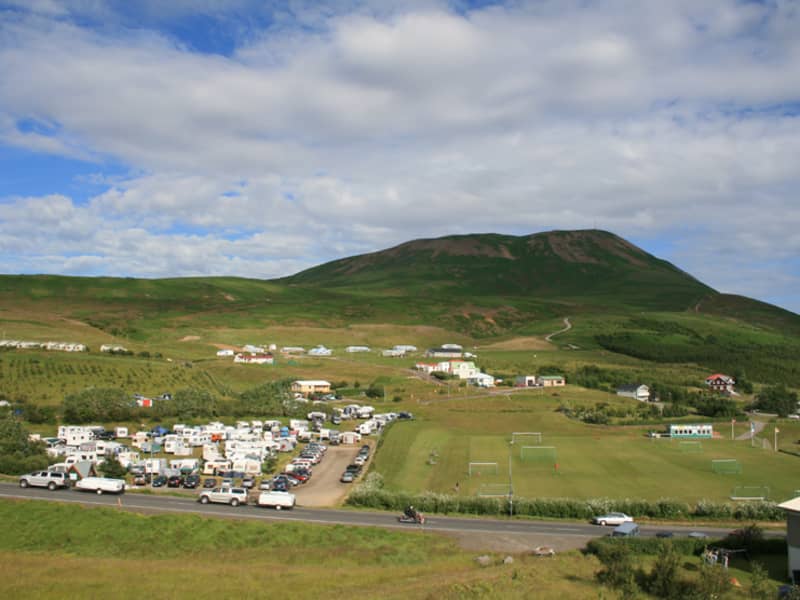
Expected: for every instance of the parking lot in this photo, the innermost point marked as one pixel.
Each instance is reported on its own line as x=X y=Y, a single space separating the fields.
x=324 y=488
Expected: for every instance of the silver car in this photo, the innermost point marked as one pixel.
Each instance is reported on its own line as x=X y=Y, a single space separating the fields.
x=46 y=479
x=612 y=518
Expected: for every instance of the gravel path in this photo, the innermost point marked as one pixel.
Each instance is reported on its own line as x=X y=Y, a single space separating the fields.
x=324 y=487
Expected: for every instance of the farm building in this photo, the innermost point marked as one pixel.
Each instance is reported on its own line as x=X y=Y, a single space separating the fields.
x=638 y=391
x=481 y=380
x=526 y=381
x=552 y=380
x=686 y=430
x=311 y=386
x=720 y=383
x=792 y=508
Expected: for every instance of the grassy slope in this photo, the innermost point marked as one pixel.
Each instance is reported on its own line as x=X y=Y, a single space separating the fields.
x=89 y=552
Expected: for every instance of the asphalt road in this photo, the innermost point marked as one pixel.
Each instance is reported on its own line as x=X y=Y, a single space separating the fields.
x=532 y=530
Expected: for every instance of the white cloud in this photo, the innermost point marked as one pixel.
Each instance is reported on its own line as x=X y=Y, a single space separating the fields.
x=351 y=126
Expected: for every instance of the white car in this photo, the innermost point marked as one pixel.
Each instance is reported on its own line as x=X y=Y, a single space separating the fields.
x=612 y=518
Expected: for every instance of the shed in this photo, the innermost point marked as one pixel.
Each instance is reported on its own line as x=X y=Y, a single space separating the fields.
x=637 y=391
x=792 y=508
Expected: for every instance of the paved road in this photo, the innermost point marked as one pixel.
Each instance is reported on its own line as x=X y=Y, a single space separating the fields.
x=547 y=531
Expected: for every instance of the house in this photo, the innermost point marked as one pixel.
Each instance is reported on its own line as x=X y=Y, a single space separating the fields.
x=552 y=380
x=311 y=386
x=225 y=352
x=637 y=391
x=792 y=508
x=526 y=381
x=481 y=380
x=254 y=359
x=720 y=383
x=320 y=351
x=252 y=349
x=357 y=349
x=685 y=430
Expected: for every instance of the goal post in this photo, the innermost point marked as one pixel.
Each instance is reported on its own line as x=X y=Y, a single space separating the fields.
x=690 y=446
x=541 y=454
x=531 y=437
x=750 y=492
x=726 y=466
x=482 y=468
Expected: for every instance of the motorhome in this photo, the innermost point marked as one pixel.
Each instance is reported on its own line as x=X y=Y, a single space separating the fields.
x=100 y=485
x=212 y=467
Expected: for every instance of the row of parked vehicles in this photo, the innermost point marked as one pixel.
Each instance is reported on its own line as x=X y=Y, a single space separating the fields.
x=354 y=470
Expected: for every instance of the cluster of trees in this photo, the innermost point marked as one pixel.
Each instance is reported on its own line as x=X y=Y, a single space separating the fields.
x=776 y=399
x=18 y=454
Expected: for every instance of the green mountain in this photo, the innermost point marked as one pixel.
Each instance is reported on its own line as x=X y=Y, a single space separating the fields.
x=583 y=267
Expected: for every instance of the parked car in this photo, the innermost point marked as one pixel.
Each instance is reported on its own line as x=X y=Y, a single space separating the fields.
x=405 y=416
x=265 y=485
x=174 y=481
x=360 y=460
x=248 y=482
x=224 y=495
x=159 y=481
x=348 y=477
x=191 y=481
x=46 y=479
x=612 y=518
x=355 y=469
x=209 y=482
x=296 y=475
x=140 y=479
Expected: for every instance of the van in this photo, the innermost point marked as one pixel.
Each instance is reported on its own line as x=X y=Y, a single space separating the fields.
x=626 y=530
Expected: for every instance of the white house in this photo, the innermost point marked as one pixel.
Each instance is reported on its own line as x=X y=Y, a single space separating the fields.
x=792 y=508
x=482 y=380
x=637 y=391
x=526 y=381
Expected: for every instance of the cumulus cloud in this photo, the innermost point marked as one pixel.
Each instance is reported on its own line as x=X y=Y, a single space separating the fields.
x=345 y=127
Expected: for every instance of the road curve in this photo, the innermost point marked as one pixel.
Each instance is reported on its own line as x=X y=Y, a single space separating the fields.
x=460 y=525
x=567 y=327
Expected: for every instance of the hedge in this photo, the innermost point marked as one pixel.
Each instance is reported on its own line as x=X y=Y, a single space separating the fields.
x=564 y=508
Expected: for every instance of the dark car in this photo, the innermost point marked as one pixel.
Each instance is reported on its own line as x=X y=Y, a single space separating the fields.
x=279 y=486
x=405 y=416
x=191 y=481
x=210 y=482
x=159 y=481
x=248 y=482
x=174 y=481
x=354 y=469
x=664 y=534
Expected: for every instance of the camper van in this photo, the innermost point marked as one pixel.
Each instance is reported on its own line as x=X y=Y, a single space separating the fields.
x=100 y=485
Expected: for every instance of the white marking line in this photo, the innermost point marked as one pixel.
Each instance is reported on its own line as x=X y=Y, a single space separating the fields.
x=243 y=515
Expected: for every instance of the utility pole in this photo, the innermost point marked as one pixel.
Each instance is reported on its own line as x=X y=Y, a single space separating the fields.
x=510 y=480
x=777 y=431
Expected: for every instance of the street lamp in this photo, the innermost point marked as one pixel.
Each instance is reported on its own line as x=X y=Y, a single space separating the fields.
x=510 y=480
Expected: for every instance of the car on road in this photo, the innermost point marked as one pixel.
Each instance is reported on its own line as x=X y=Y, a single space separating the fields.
x=698 y=535
x=612 y=518
x=664 y=534
x=224 y=495
x=46 y=479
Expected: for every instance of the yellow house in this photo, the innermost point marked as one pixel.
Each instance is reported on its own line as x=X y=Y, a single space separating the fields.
x=311 y=386
x=552 y=380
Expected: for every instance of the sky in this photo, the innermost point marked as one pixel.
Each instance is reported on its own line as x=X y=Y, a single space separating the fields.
x=253 y=138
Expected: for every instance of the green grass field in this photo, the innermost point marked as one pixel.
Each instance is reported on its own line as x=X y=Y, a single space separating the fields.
x=592 y=461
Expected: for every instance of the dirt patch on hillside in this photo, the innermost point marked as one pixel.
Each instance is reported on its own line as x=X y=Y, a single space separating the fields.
x=520 y=343
x=189 y=338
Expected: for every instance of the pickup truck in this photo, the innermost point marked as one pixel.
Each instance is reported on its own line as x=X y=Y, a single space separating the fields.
x=100 y=485
x=49 y=479
x=276 y=500
x=224 y=495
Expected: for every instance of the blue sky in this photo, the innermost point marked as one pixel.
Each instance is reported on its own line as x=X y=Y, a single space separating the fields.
x=200 y=137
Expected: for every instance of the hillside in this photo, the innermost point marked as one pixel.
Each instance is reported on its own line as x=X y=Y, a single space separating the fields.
x=582 y=267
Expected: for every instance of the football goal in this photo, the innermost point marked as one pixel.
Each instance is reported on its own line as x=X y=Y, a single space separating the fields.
x=493 y=490
x=750 y=492
x=531 y=437
x=690 y=446
x=726 y=466
x=482 y=468
x=541 y=454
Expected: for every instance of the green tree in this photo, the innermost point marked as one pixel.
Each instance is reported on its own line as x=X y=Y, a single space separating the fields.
x=18 y=454
x=111 y=467
x=97 y=404
x=618 y=571
x=712 y=583
x=191 y=403
x=268 y=398
x=663 y=580
x=760 y=587
x=777 y=399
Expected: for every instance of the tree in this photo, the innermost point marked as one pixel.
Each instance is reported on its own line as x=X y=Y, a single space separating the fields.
x=97 y=404
x=777 y=399
x=269 y=398
x=760 y=587
x=712 y=583
x=619 y=571
x=190 y=403
x=111 y=467
x=18 y=454
x=663 y=580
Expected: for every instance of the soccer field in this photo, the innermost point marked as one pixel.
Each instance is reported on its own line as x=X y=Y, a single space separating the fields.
x=590 y=461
